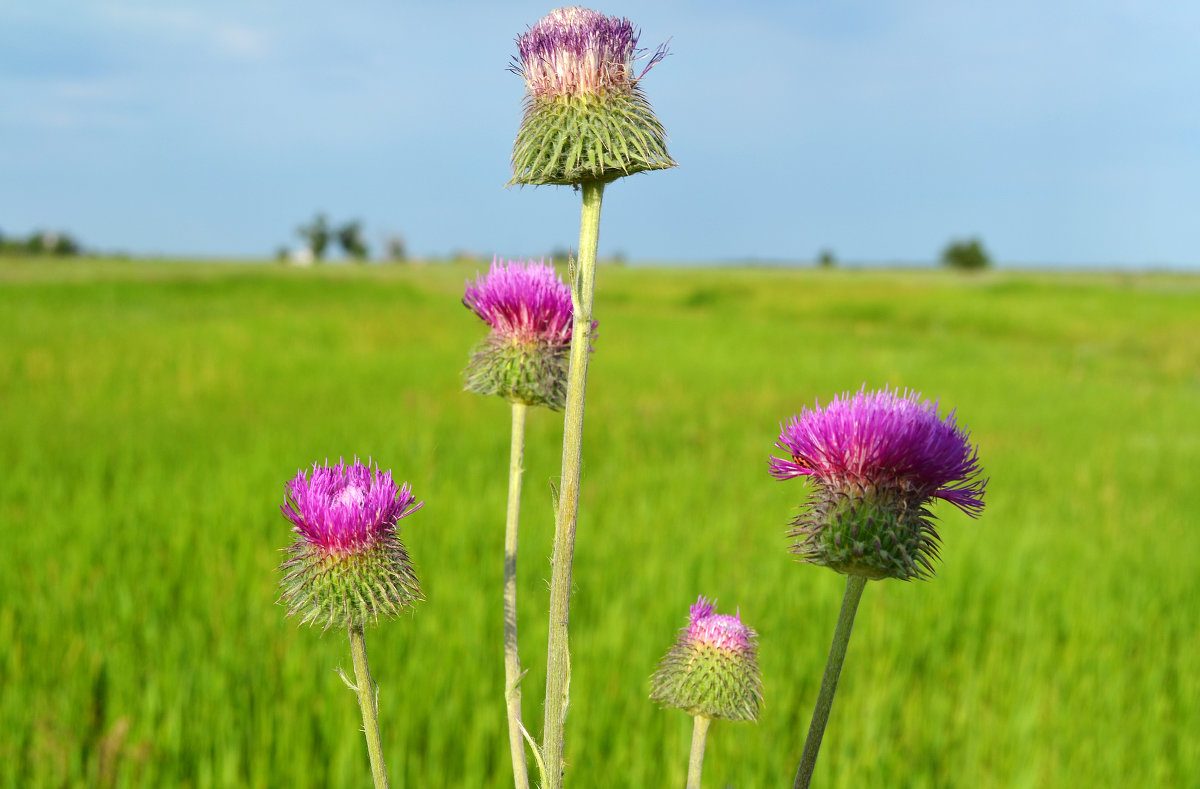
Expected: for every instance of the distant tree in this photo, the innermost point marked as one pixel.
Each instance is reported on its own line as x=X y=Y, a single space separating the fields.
x=395 y=249
x=64 y=245
x=350 y=237
x=316 y=235
x=41 y=242
x=826 y=258
x=560 y=254
x=282 y=254
x=968 y=255
x=36 y=243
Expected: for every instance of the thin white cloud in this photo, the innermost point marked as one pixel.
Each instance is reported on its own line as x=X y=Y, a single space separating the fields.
x=71 y=104
x=210 y=26
x=241 y=42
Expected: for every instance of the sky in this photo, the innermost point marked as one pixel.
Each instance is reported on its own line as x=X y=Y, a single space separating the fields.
x=1058 y=132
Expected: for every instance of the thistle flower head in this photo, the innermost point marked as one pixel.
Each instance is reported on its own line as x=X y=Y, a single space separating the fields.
x=577 y=50
x=526 y=355
x=877 y=459
x=525 y=302
x=585 y=116
x=347 y=565
x=712 y=669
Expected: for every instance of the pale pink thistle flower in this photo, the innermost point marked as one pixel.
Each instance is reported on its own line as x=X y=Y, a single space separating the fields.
x=348 y=564
x=712 y=670
x=577 y=50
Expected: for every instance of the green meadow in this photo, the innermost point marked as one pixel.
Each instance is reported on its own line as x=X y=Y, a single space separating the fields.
x=150 y=414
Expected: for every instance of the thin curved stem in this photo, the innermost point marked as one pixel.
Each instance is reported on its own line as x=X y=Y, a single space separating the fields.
x=369 y=702
x=558 y=656
x=833 y=669
x=696 y=761
x=512 y=658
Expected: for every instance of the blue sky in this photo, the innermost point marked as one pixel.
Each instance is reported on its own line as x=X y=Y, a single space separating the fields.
x=1059 y=132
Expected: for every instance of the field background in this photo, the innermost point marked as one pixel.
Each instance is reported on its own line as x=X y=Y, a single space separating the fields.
x=150 y=414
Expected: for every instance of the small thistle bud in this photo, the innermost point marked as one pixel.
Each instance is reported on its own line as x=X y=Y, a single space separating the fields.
x=525 y=357
x=347 y=565
x=712 y=669
x=586 y=118
x=877 y=460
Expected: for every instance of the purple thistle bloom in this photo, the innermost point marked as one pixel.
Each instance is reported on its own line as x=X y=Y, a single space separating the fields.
x=576 y=50
x=523 y=302
x=586 y=119
x=712 y=669
x=525 y=357
x=877 y=459
x=883 y=438
x=347 y=565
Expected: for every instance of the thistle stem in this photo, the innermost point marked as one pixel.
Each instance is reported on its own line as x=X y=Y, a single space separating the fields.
x=833 y=669
x=558 y=656
x=368 y=699
x=696 y=762
x=512 y=658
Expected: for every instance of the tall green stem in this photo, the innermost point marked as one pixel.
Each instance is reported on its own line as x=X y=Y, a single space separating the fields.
x=368 y=700
x=833 y=669
x=558 y=656
x=696 y=762
x=512 y=658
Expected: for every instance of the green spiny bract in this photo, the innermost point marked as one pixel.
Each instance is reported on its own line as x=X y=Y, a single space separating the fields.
x=339 y=589
x=533 y=373
x=875 y=534
x=570 y=139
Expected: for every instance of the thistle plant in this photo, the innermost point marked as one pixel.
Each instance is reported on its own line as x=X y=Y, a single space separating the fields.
x=524 y=359
x=348 y=566
x=710 y=672
x=586 y=123
x=877 y=460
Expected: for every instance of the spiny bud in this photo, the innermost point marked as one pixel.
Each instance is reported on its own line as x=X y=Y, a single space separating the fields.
x=712 y=669
x=877 y=460
x=586 y=118
x=347 y=565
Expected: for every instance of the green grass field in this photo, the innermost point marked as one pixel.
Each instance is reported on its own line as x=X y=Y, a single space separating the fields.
x=151 y=413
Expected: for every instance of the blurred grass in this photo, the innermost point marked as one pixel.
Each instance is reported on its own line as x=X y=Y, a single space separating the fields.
x=150 y=414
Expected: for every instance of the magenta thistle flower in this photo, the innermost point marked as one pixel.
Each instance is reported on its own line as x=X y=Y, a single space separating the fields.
x=877 y=459
x=526 y=302
x=525 y=357
x=347 y=565
x=712 y=670
x=586 y=118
